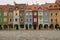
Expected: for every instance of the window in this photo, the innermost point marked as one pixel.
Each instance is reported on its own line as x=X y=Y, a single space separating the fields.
x=26 y=13
x=10 y=14
x=55 y=6
x=21 y=19
x=10 y=20
x=56 y=20
x=56 y=14
x=35 y=13
x=34 y=7
x=5 y=19
x=30 y=13
x=15 y=19
x=21 y=14
x=35 y=19
x=16 y=14
x=10 y=9
x=51 y=14
x=30 y=19
x=51 y=20
x=50 y=6
x=26 y=20
x=16 y=8
x=5 y=13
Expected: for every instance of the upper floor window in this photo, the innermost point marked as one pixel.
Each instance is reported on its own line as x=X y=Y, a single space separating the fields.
x=51 y=14
x=35 y=19
x=16 y=8
x=34 y=7
x=5 y=13
x=10 y=9
x=15 y=19
x=10 y=20
x=56 y=20
x=27 y=14
x=56 y=14
x=16 y=14
x=5 y=19
x=30 y=13
x=51 y=20
x=35 y=13
x=21 y=19
x=50 y=6
x=55 y=6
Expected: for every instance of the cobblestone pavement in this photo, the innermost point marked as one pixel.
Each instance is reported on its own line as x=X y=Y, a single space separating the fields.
x=30 y=35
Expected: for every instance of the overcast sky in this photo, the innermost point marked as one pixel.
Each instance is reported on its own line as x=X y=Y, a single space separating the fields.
x=26 y=1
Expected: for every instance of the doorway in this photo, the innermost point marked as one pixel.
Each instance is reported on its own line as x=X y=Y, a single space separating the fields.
x=46 y=26
x=40 y=26
x=16 y=26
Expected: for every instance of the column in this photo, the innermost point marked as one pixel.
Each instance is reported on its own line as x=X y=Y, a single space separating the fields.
x=32 y=27
x=24 y=27
x=8 y=27
x=28 y=26
x=19 y=27
x=13 y=26
x=2 y=27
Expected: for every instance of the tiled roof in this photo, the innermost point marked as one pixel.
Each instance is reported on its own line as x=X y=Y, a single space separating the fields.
x=32 y=7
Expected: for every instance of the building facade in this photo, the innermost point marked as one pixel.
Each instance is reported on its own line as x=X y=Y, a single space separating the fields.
x=28 y=18
x=40 y=18
x=35 y=16
x=23 y=16
x=46 y=19
x=1 y=18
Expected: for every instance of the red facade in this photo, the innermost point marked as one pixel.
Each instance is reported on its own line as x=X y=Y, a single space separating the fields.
x=35 y=16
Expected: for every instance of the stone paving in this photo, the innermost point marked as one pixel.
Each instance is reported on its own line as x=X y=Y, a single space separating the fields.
x=30 y=35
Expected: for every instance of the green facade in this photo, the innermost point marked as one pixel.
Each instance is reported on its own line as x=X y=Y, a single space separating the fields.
x=1 y=17
x=40 y=17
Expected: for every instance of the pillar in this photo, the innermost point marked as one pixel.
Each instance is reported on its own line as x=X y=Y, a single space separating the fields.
x=32 y=27
x=28 y=26
x=2 y=27
x=24 y=27
x=13 y=26
x=19 y=27
x=8 y=27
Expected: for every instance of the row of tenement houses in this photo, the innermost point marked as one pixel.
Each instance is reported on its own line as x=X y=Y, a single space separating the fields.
x=23 y=16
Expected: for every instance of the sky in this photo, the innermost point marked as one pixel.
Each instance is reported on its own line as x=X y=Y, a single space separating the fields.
x=2 y=2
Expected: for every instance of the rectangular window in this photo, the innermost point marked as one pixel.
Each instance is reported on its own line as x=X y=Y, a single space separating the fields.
x=5 y=13
x=5 y=19
x=35 y=19
x=27 y=14
x=35 y=13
